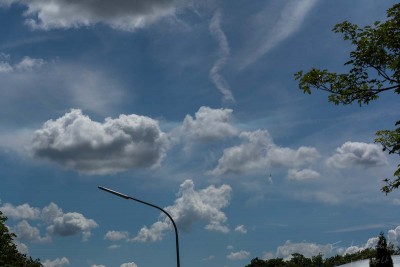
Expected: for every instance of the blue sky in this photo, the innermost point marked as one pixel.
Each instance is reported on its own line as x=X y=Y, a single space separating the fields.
x=192 y=106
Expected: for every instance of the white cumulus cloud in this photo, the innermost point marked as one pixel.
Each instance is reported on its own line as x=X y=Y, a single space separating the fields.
x=258 y=151
x=21 y=212
x=72 y=223
x=209 y=124
x=116 y=235
x=75 y=141
x=118 y=14
x=26 y=232
x=57 y=222
x=190 y=207
x=357 y=153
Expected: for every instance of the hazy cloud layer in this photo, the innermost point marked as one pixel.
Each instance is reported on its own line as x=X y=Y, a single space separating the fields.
x=48 y=86
x=239 y=255
x=75 y=141
x=258 y=151
x=357 y=153
x=190 y=207
x=119 y=14
x=209 y=124
x=224 y=53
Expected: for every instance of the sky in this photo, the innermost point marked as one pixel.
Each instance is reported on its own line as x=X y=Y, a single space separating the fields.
x=191 y=106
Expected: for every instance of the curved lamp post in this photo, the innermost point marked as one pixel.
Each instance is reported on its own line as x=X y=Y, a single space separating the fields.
x=154 y=206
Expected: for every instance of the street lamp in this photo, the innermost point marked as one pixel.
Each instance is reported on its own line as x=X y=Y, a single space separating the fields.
x=154 y=206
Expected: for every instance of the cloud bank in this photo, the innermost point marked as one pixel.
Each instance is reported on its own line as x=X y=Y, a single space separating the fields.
x=57 y=222
x=75 y=141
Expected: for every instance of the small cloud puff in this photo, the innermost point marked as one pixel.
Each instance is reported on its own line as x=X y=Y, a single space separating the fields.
x=357 y=153
x=239 y=255
x=56 y=263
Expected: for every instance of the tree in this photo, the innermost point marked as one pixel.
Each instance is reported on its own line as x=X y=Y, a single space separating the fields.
x=383 y=254
x=375 y=68
x=9 y=255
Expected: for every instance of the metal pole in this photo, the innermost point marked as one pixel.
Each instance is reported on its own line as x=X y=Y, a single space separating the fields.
x=154 y=206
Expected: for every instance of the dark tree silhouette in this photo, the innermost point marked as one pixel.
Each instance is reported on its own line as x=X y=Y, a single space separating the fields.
x=383 y=254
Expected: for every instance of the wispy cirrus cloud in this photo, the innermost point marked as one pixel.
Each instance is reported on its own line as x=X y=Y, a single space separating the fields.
x=288 y=18
x=224 y=54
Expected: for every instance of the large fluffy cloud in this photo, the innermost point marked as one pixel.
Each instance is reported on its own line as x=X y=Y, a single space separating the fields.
x=77 y=142
x=192 y=206
x=120 y=14
x=357 y=153
x=209 y=124
x=258 y=151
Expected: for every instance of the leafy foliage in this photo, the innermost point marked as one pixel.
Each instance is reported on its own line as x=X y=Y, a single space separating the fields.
x=9 y=255
x=375 y=68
